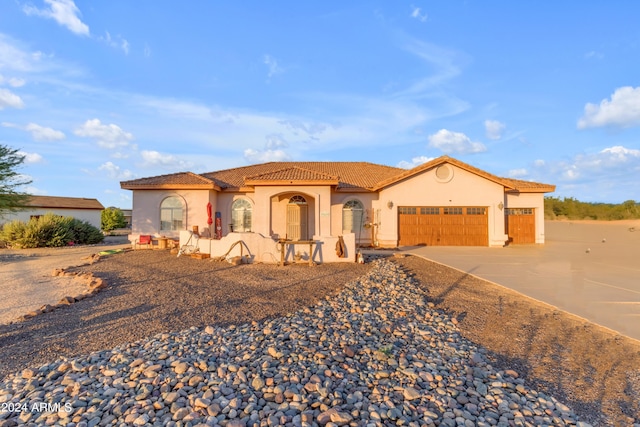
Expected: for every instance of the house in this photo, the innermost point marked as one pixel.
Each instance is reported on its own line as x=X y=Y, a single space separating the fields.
x=442 y=202
x=89 y=210
x=127 y=216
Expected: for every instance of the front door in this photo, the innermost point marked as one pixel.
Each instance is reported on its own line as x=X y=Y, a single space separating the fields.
x=297 y=221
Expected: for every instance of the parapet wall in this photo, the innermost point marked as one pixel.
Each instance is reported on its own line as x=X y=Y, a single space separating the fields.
x=267 y=250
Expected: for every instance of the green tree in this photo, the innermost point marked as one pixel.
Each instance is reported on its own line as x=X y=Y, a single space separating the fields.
x=11 y=199
x=112 y=218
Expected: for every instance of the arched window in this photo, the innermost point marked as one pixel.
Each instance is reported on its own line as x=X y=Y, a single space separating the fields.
x=241 y=215
x=352 y=216
x=171 y=214
x=298 y=200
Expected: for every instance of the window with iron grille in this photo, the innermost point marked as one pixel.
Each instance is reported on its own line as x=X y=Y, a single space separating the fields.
x=476 y=211
x=241 y=213
x=352 y=216
x=452 y=211
x=404 y=210
x=430 y=211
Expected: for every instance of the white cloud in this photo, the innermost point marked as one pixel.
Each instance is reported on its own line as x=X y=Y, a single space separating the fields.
x=571 y=173
x=12 y=81
x=454 y=142
x=30 y=158
x=494 y=129
x=15 y=57
x=64 y=12
x=125 y=46
x=539 y=163
x=16 y=82
x=10 y=99
x=272 y=66
x=118 y=43
x=276 y=141
x=108 y=136
x=611 y=164
x=41 y=133
x=114 y=171
x=147 y=51
x=517 y=173
x=151 y=158
x=35 y=191
x=297 y=126
x=261 y=156
x=623 y=110
x=415 y=161
x=38 y=133
x=418 y=14
x=443 y=65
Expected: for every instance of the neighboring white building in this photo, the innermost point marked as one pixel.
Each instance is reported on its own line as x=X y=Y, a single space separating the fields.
x=444 y=202
x=81 y=208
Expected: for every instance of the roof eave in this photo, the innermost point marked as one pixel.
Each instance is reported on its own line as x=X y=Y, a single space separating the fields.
x=549 y=189
x=354 y=190
x=125 y=186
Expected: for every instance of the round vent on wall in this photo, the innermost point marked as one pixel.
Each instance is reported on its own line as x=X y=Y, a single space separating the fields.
x=444 y=173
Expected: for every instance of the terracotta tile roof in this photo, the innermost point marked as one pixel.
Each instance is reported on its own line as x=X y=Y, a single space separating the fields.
x=63 y=202
x=353 y=175
x=292 y=174
x=181 y=179
x=529 y=186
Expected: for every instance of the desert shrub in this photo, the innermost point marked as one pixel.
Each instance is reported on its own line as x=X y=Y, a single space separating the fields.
x=11 y=231
x=112 y=218
x=85 y=233
x=49 y=230
x=570 y=208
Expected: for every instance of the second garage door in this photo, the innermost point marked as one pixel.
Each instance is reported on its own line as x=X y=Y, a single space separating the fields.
x=443 y=226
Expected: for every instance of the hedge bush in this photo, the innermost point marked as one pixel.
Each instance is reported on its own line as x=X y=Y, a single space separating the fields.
x=49 y=230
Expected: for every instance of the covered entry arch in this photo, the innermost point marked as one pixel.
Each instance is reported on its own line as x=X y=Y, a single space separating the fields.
x=293 y=215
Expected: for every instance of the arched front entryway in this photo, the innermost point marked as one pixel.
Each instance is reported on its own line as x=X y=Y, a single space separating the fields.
x=297 y=218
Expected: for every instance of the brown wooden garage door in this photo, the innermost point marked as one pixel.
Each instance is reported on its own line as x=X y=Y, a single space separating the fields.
x=443 y=226
x=520 y=225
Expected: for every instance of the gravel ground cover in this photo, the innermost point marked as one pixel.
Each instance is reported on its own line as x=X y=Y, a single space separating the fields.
x=379 y=351
x=150 y=292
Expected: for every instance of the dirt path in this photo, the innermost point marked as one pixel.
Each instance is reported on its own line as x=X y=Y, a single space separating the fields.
x=27 y=282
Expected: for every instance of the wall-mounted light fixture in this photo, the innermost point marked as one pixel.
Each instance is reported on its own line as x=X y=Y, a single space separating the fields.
x=390 y=204
x=500 y=205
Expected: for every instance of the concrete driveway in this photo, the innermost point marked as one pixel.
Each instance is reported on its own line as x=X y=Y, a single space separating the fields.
x=590 y=269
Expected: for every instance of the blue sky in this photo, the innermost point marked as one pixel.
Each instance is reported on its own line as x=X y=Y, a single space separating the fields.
x=95 y=92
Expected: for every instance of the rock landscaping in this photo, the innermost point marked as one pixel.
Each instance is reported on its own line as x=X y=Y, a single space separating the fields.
x=377 y=353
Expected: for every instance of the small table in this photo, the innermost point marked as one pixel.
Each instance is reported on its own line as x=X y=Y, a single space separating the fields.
x=162 y=242
x=284 y=242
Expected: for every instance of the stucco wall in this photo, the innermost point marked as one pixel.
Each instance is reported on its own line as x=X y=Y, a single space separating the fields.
x=225 y=203
x=89 y=215
x=264 y=249
x=337 y=203
x=273 y=201
x=530 y=200
x=463 y=189
x=146 y=210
